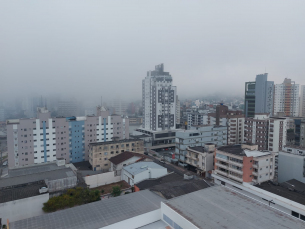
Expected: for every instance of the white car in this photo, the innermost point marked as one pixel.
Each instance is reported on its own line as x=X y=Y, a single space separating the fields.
x=43 y=190
x=4 y=163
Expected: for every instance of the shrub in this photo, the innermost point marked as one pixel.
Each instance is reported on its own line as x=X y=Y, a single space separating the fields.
x=116 y=191
x=72 y=197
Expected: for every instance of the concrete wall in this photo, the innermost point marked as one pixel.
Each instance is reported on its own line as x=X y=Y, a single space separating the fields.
x=290 y=166
x=138 y=221
x=101 y=179
x=23 y=208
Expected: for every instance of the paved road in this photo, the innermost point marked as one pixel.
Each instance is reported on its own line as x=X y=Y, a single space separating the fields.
x=179 y=170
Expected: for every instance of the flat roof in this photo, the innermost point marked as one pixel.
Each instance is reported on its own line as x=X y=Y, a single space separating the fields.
x=239 y=151
x=198 y=148
x=21 y=192
x=293 y=190
x=139 y=167
x=221 y=207
x=95 y=215
x=233 y=149
x=113 y=142
x=64 y=172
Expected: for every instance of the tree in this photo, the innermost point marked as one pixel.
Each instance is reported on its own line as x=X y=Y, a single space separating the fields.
x=116 y=191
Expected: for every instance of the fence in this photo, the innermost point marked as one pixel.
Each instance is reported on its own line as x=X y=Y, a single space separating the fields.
x=94 y=181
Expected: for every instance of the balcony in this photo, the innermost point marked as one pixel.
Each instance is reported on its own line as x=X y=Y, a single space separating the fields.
x=254 y=173
x=222 y=165
x=235 y=178
x=236 y=170
x=255 y=166
x=236 y=163
x=221 y=173
x=221 y=159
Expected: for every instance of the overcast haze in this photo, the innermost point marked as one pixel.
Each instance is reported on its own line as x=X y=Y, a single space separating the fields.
x=104 y=48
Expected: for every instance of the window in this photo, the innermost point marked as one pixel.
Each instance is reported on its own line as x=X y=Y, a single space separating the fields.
x=295 y=214
x=105 y=153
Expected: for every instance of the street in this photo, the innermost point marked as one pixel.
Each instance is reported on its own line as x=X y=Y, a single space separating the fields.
x=177 y=169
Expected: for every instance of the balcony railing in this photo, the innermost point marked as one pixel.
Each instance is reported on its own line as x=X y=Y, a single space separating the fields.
x=222 y=165
x=236 y=170
x=235 y=178
x=221 y=172
x=221 y=159
x=236 y=163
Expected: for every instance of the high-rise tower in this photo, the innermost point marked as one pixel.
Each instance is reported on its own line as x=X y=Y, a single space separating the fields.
x=158 y=100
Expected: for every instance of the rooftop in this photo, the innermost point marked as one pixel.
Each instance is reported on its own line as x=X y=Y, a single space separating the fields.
x=139 y=167
x=95 y=215
x=21 y=191
x=198 y=148
x=172 y=185
x=113 y=142
x=28 y=175
x=125 y=156
x=210 y=208
x=239 y=151
x=293 y=190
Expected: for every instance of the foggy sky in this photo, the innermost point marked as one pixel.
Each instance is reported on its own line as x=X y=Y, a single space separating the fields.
x=104 y=48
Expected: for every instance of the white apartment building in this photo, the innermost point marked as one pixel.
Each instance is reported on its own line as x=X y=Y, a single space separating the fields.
x=302 y=101
x=159 y=100
x=286 y=98
x=244 y=163
x=197 y=119
x=201 y=158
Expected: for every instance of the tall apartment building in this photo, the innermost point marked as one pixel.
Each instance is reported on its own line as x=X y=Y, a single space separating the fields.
x=119 y=106
x=101 y=152
x=199 y=136
x=286 y=98
x=177 y=110
x=256 y=131
x=2 y=114
x=244 y=163
x=67 y=108
x=259 y=96
x=269 y=133
x=233 y=119
x=159 y=100
x=277 y=134
x=302 y=102
x=34 y=141
x=196 y=119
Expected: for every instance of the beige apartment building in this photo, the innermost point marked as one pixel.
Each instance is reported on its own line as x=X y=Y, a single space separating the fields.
x=200 y=159
x=244 y=163
x=101 y=152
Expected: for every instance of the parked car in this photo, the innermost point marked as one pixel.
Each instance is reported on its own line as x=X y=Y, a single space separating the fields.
x=4 y=163
x=43 y=190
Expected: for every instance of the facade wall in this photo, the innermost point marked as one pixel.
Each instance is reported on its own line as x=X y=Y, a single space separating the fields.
x=286 y=98
x=277 y=134
x=302 y=101
x=138 y=221
x=118 y=168
x=172 y=218
x=245 y=169
x=23 y=208
x=34 y=141
x=199 y=137
x=101 y=179
x=291 y=166
x=99 y=154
